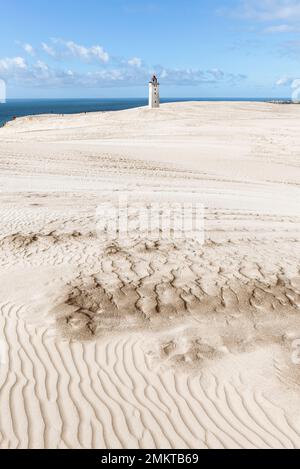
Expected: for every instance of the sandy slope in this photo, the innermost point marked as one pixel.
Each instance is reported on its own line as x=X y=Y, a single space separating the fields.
x=153 y=343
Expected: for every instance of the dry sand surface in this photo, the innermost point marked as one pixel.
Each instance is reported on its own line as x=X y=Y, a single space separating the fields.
x=142 y=342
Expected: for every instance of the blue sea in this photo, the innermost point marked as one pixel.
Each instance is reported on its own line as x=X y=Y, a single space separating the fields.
x=25 y=107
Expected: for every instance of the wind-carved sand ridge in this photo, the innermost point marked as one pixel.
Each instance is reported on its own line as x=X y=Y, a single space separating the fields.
x=151 y=343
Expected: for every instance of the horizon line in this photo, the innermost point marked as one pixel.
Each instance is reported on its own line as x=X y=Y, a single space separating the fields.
x=145 y=98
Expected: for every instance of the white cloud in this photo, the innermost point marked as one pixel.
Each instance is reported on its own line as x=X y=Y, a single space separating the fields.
x=100 y=53
x=28 y=48
x=41 y=65
x=61 y=49
x=12 y=63
x=135 y=62
x=86 y=53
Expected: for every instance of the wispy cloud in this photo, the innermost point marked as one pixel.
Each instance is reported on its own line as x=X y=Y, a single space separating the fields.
x=290 y=49
x=284 y=81
x=197 y=76
x=48 y=49
x=135 y=62
x=143 y=7
x=282 y=28
x=266 y=10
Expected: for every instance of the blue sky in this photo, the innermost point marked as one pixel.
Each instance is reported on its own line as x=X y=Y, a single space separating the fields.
x=109 y=48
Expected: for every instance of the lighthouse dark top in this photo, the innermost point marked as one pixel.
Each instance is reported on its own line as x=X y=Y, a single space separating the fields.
x=154 y=80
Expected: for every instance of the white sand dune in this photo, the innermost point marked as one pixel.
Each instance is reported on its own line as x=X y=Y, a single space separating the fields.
x=151 y=343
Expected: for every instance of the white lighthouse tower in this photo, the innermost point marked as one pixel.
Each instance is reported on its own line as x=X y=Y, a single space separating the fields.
x=153 y=93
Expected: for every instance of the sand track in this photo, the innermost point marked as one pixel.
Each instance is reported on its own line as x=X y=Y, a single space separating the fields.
x=106 y=394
